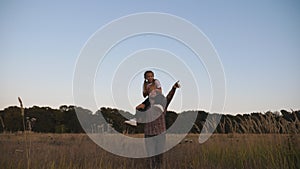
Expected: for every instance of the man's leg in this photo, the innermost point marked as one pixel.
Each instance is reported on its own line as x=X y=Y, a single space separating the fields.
x=159 y=147
x=150 y=148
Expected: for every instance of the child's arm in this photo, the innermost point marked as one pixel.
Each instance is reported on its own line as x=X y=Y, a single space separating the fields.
x=145 y=92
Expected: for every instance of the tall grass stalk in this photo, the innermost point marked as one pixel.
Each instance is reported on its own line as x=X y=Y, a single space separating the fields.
x=2 y=124
x=25 y=135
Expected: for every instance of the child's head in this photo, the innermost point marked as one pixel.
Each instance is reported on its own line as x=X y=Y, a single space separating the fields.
x=149 y=76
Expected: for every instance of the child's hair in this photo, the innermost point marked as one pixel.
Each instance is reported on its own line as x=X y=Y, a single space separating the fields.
x=148 y=71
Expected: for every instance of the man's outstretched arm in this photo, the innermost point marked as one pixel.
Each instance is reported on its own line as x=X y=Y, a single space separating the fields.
x=171 y=93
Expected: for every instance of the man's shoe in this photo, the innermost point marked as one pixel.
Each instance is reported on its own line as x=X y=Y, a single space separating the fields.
x=131 y=122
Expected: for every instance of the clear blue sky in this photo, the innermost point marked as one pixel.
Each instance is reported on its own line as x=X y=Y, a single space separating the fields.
x=258 y=43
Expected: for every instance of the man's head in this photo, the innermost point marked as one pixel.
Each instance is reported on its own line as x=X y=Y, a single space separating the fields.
x=158 y=99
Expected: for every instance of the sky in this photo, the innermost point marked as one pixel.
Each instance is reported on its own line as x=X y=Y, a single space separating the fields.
x=257 y=43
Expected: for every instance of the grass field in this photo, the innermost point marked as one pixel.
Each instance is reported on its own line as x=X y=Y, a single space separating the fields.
x=77 y=151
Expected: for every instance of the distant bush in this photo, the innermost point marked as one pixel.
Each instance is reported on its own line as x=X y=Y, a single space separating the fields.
x=64 y=120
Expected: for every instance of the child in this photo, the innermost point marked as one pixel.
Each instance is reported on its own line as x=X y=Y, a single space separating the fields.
x=151 y=87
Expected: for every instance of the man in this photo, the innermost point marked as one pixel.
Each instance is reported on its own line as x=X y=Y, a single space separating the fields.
x=155 y=125
x=155 y=129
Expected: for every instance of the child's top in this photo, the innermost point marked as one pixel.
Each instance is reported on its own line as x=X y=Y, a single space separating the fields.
x=152 y=87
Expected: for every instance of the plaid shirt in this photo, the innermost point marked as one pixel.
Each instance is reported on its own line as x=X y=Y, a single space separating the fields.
x=156 y=126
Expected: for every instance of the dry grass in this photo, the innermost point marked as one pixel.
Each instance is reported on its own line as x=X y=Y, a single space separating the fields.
x=77 y=151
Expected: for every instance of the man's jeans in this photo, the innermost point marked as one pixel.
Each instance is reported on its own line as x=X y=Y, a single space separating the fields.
x=154 y=145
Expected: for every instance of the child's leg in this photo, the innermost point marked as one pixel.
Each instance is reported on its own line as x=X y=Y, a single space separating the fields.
x=140 y=110
x=143 y=106
x=140 y=107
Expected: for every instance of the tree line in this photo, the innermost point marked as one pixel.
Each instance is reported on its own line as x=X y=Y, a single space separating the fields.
x=65 y=120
